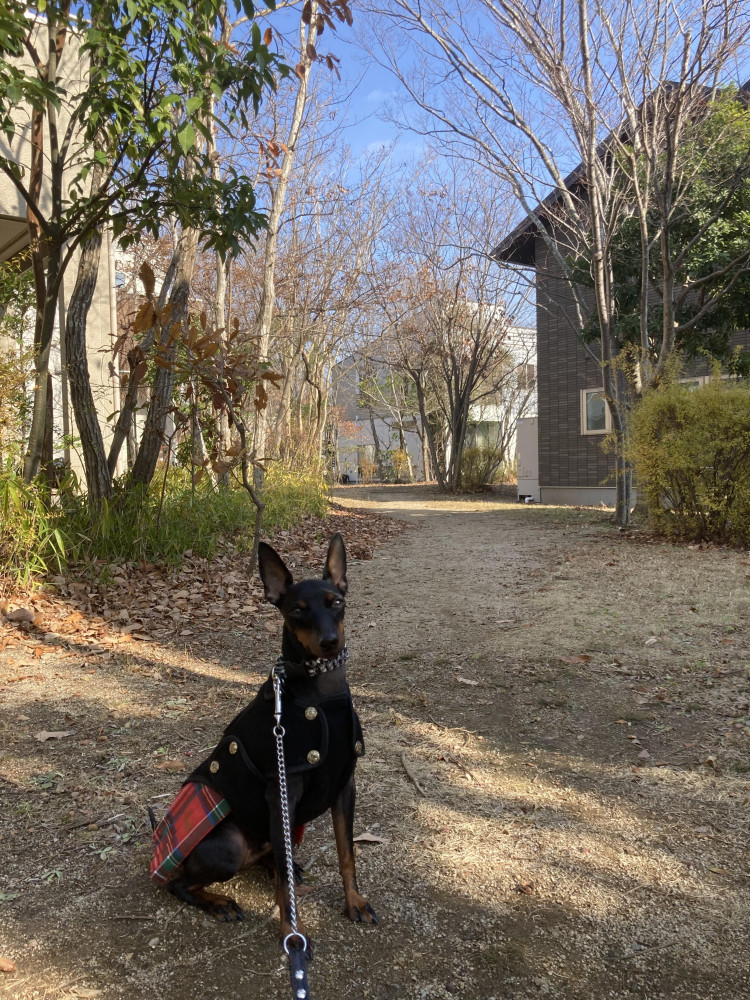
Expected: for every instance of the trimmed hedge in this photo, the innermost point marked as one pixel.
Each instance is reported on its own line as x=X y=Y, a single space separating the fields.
x=691 y=455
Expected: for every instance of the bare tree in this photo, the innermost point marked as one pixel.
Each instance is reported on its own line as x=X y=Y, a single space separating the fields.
x=447 y=307
x=333 y=217
x=390 y=397
x=530 y=89
x=315 y=17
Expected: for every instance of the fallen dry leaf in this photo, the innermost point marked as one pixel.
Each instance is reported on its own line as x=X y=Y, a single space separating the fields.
x=44 y=735
x=21 y=615
x=465 y=680
x=7 y=965
x=368 y=838
x=171 y=765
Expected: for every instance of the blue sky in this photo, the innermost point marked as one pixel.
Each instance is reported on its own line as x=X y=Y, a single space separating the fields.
x=369 y=87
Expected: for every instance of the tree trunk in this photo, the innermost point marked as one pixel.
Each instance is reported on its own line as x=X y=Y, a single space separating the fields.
x=283 y=422
x=124 y=428
x=427 y=471
x=48 y=445
x=405 y=449
x=46 y=306
x=98 y=478
x=47 y=285
x=376 y=442
x=308 y=33
x=323 y=395
x=223 y=430
x=132 y=444
x=45 y=325
x=458 y=441
x=428 y=432
x=161 y=397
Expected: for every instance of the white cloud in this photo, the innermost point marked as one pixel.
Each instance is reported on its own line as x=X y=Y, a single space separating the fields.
x=378 y=96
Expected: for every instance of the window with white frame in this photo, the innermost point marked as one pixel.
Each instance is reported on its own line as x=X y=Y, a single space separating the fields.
x=595 y=416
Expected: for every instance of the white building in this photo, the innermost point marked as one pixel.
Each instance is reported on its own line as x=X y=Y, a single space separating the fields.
x=14 y=238
x=493 y=420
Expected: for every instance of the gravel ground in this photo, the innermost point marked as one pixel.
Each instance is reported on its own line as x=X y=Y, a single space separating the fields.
x=556 y=783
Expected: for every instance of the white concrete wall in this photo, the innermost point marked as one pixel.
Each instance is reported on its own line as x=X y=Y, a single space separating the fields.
x=102 y=323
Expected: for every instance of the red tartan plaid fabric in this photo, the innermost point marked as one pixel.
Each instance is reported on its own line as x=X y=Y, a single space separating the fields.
x=191 y=817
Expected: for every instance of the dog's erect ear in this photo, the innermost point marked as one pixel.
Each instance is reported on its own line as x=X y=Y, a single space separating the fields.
x=335 y=567
x=274 y=574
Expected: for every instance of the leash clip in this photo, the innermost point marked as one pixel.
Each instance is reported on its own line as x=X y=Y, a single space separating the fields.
x=276 y=697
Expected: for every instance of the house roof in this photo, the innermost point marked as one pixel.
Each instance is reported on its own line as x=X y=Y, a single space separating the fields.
x=14 y=237
x=519 y=246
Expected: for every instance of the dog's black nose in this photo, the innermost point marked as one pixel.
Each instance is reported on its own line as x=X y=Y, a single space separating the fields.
x=329 y=642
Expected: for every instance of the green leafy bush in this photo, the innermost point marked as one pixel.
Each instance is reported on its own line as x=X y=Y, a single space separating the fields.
x=158 y=524
x=691 y=455
x=44 y=533
x=32 y=542
x=289 y=495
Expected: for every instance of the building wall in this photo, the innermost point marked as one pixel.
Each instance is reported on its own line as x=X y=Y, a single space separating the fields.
x=567 y=458
x=573 y=467
x=102 y=321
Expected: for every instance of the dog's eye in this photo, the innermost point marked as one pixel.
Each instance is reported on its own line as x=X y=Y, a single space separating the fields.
x=337 y=602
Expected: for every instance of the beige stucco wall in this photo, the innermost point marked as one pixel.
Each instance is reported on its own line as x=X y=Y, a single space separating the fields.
x=102 y=325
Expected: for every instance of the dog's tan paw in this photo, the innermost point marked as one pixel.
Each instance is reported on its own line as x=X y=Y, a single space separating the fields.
x=359 y=911
x=222 y=907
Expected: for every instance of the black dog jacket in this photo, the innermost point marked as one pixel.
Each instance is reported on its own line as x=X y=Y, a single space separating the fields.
x=323 y=738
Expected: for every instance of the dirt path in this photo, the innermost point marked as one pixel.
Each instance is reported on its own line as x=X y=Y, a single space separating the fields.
x=557 y=726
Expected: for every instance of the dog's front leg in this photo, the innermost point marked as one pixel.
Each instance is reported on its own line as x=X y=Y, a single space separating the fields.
x=342 y=812
x=281 y=875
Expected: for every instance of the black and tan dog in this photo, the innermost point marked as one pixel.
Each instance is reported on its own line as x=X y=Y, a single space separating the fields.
x=227 y=815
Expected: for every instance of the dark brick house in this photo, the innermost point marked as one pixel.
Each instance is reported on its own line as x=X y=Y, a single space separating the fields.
x=573 y=417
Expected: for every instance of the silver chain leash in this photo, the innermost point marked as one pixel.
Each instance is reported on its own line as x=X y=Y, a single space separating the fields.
x=297 y=955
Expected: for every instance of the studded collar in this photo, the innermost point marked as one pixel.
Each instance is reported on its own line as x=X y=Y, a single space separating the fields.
x=313 y=667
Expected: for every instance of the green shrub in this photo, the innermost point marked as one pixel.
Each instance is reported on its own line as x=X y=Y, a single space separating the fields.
x=691 y=456
x=32 y=543
x=289 y=496
x=158 y=524
x=43 y=533
x=479 y=466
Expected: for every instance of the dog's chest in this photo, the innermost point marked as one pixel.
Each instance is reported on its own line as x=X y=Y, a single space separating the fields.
x=322 y=740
